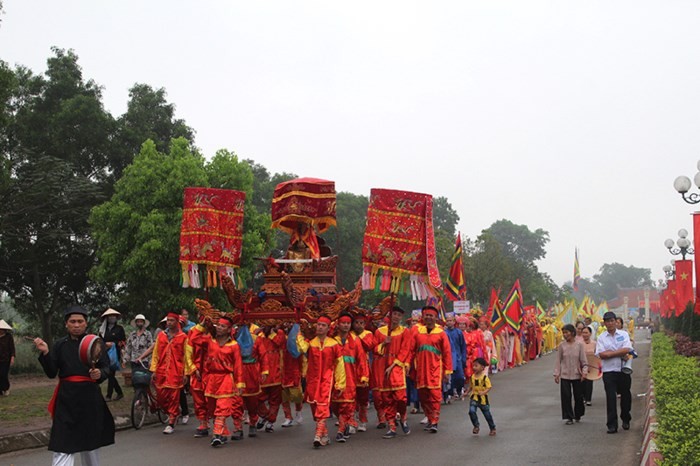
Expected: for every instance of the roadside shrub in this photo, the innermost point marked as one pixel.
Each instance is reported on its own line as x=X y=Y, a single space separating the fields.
x=677 y=388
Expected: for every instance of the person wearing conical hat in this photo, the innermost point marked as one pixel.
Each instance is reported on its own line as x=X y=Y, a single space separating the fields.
x=114 y=336
x=7 y=357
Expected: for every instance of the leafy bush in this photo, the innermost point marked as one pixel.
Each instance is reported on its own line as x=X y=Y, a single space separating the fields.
x=677 y=387
x=26 y=358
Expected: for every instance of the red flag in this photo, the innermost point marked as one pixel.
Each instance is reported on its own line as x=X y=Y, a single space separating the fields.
x=663 y=308
x=513 y=307
x=671 y=299
x=684 y=285
x=696 y=237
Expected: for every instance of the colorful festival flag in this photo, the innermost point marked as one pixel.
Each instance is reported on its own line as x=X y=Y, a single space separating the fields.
x=498 y=321
x=577 y=270
x=455 y=288
x=513 y=307
x=541 y=313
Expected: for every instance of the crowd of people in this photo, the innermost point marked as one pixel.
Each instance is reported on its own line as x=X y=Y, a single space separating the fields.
x=247 y=373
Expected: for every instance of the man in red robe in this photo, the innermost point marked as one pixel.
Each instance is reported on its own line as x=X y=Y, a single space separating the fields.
x=291 y=388
x=433 y=361
x=393 y=355
x=224 y=378
x=251 y=378
x=273 y=342
x=356 y=374
x=366 y=339
x=325 y=373
x=198 y=339
x=168 y=365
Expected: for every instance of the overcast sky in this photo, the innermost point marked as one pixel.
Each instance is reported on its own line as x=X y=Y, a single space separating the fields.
x=574 y=117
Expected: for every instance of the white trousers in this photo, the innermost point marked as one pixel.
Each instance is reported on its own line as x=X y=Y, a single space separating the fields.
x=87 y=458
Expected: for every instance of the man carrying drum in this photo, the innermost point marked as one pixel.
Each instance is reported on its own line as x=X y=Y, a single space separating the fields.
x=82 y=422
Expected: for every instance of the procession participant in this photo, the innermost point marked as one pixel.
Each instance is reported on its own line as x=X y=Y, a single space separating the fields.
x=273 y=342
x=366 y=338
x=113 y=335
x=593 y=325
x=611 y=347
x=589 y=347
x=433 y=360
x=168 y=365
x=376 y=377
x=251 y=351
x=476 y=348
x=325 y=373
x=223 y=384
x=479 y=387
x=393 y=356
x=570 y=369
x=81 y=422
x=7 y=356
x=458 y=349
x=356 y=374
x=198 y=340
x=291 y=387
x=489 y=342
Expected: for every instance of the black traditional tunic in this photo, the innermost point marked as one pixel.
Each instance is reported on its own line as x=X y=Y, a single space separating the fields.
x=82 y=421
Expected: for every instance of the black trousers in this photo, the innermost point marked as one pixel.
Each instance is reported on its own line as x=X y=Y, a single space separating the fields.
x=579 y=408
x=617 y=382
x=4 y=376
x=587 y=390
x=113 y=385
x=184 y=409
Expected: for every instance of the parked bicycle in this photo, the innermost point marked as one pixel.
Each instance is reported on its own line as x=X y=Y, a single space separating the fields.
x=145 y=403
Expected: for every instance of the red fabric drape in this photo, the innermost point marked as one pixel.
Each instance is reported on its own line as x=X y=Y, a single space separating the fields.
x=696 y=240
x=671 y=299
x=684 y=285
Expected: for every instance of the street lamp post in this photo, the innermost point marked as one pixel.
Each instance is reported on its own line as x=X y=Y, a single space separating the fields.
x=682 y=184
x=684 y=248
x=670 y=272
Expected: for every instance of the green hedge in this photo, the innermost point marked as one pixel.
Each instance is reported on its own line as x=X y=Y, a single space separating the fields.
x=677 y=389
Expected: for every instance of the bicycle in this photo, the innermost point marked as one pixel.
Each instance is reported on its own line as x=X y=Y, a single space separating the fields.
x=145 y=401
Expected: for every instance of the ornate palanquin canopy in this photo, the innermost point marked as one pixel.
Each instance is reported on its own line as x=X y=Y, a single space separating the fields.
x=398 y=253
x=309 y=201
x=211 y=235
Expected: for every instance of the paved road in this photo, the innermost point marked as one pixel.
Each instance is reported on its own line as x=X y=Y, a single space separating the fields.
x=525 y=405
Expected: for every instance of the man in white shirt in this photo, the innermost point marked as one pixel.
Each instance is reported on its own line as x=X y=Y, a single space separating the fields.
x=612 y=347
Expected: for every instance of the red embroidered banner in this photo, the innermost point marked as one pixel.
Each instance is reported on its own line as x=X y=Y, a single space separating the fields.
x=304 y=200
x=399 y=244
x=211 y=233
x=684 y=285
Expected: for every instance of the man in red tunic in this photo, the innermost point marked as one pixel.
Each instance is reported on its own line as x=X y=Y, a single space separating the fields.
x=393 y=357
x=291 y=388
x=325 y=373
x=168 y=365
x=251 y=377
x=366 y=338
x=433 y=360
x=198 y=339
x=273 y=342
x=356 y=374
x=224 y=378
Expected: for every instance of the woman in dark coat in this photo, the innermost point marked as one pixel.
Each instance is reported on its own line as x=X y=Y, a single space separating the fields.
x=113 y=334
x=81 y=420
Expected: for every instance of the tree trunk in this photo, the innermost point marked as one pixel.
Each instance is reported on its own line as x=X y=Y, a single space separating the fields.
x=46 y=328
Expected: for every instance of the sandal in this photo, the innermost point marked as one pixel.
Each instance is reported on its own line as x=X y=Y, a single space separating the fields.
x=492 y=433
x=414 y=411
x=475 y=430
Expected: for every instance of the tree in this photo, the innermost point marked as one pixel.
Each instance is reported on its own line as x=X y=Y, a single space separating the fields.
x=519 y=243
x=347 y=238
x=138 y=229
x=148 y=116
x=55 y=146
x=612 y=277
x=486 y=266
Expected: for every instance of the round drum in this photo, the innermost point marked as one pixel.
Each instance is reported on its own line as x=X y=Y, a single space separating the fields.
x=90 y=350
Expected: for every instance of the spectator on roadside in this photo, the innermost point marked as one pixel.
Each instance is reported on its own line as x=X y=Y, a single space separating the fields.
x=188 y=323
x=579 y=329
x=612 y=346
x=593 y=325
x=589 y=347
x=114 y=336
x=138 y=342
x=570 y=369
x=7 y=357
